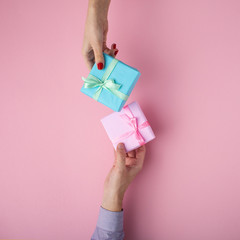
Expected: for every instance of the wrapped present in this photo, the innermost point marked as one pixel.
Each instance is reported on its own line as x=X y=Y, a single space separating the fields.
x=129 y=126
x=112 y=85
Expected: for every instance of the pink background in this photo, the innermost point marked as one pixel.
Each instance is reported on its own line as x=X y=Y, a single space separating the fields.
x=53 y=164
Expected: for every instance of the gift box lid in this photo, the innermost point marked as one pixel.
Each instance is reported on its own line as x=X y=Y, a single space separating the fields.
x=122 y=74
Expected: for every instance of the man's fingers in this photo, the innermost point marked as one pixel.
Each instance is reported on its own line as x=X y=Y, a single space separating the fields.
x=121 y=156
x=140 y=152
x=131 y=162
x=131 y=154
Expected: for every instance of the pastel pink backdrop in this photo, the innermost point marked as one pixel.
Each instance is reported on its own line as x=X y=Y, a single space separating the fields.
x=55 y=154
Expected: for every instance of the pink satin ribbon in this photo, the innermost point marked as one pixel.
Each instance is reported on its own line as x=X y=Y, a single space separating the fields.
x=129 y=118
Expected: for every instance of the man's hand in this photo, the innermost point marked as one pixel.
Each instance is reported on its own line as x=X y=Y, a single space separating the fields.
x=124 y=170
x=95 y=36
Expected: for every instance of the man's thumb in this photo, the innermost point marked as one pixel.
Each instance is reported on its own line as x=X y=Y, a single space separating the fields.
x=99 y=59
x=120 y=155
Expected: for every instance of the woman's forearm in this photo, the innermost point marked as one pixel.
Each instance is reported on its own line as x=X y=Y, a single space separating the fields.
x=100 y=7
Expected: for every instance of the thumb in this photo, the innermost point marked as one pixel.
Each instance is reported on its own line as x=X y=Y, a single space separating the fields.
x=98 y=54
x=120 y=156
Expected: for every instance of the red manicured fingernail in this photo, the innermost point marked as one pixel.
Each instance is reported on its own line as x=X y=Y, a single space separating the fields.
x=100 y=66
x=114 y=46
x=116 y=53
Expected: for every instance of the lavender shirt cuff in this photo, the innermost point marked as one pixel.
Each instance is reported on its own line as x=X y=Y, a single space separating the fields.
x=110 y=221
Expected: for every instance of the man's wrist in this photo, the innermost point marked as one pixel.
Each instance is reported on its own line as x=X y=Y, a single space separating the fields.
x=112 y=202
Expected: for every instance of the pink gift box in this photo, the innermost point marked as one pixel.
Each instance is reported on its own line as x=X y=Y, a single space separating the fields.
x=128 y=126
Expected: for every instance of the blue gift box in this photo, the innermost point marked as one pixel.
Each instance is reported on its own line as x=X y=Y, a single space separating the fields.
x=112 y=85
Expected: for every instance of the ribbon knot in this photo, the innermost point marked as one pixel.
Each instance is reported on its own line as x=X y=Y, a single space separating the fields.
x=108 y=84
x=133 y=123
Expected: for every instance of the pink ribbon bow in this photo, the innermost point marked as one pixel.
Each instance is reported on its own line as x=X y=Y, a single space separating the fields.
x=129 y=118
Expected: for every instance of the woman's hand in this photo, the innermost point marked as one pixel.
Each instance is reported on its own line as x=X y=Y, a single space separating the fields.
x=125 y=169
x=95 y=36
